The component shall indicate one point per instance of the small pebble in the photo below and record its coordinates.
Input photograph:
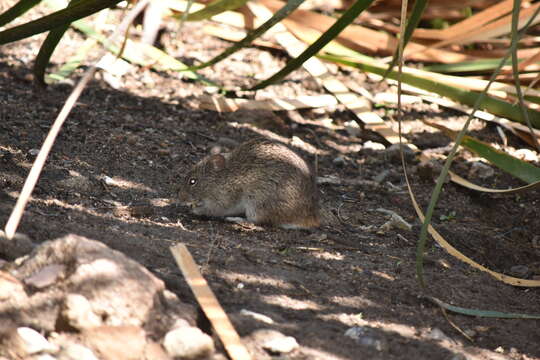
(367, 336)
(257, 316)
(480, 170)
(33, 342)
(437, 334)
(188, 343)
(274, 342)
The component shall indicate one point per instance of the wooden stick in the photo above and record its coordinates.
(35, 171)
(209, 304)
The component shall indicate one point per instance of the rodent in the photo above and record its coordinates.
(261, 179)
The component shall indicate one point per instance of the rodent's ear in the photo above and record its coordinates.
(217, 161)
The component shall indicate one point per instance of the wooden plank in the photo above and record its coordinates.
(209, 304)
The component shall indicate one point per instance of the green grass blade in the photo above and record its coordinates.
(73, 63)
(277, 17)
(347, 17)
(135, 53)
(45, 53)
(58, 18)
(488, 103)
(17, 10)
(214, 8)
(412, 23)
(514, 166)
(480, 65)
(482, 313)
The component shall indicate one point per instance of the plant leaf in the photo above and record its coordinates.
(277, 17)
(17, 10)
(45, 52)
(481, 313)
(214, 8)
(325, 38)
(58, 18)
(488, 103)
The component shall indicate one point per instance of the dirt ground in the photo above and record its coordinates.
(130, 146)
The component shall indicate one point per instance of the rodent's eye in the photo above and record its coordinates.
(192, 181)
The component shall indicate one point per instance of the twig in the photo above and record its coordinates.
(209, 304)
(33, 176)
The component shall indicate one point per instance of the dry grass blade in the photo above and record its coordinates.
(456, 253)
(33, 176)
(305, 24)
(209, 304)
(467, 25)
(223, 104)
(489, 30)
(319, 71)
(469, 185)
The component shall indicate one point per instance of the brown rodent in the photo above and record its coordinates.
(263, 180)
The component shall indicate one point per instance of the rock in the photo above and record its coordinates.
(393, 154)
(188, 343)
(367, 336)
(480, 170)
(76, 182)
(274, 342)
(119, 289)
(437, 334)
(45, 276)
(339, 160)
(430, 170)
(18, 246)
(72, 351)
(116, 342)
(78, 313)
(24, 341)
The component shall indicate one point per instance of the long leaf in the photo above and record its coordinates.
(49, 22)
(140, 54)
(325, 38)
(512, 165)
(45, 53)
(17, 10)
(277, 17)
(519, 168)
(73, 63)
(480, 65)
(412, 23)
(482, 313)
(488, 103)
(214, 8)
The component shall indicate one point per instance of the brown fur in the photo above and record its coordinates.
(261, 179)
